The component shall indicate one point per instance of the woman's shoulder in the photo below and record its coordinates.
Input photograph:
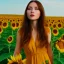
(19, 31)
(47, 29)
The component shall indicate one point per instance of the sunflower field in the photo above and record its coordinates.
(57, 38)
(8, 33)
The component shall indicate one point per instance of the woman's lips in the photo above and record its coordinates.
(32, 15)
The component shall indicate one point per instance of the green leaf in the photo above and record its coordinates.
(61, 60)
(47, 62)
(1, 48)
(42, 62)
(5, 56)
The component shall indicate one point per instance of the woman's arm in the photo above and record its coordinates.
(18, 47)
(50, 54)
(49, 49)
(49, 35)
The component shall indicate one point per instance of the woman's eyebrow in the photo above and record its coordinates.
(31, 7)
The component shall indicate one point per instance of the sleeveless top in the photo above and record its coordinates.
(35, 54)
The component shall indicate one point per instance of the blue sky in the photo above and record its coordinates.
(51, 7)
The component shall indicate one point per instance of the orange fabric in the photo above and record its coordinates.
(35, 54)
(47, 29)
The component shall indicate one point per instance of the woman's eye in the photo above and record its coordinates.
(33, 8)
(29, 8)
(36, 8)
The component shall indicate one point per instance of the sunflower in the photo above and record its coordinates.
(17, 24)
(55, 31)
(0, 23)
(62, 38)
(5, 24)
(62, 24)
(13, 25)
(49, 24)
(16, 60)
(54, 25)
(59, 25)
(46, 23)
(60, 45)
(9, 39)
(61, 50)
(20, 24)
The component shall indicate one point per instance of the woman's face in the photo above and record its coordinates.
(33, 13)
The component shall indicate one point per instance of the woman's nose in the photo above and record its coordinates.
(32, 11)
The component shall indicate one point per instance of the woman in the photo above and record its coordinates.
(33, 36)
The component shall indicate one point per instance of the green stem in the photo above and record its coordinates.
(12, 32)
(9, 48)
(0, 35)
(59, 55)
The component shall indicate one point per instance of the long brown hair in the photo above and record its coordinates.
(26, 26)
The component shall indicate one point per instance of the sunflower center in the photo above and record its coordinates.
(4, 24)
(59, 25)
(54, 25)
(55, 31)
(61, 45)
(0, 29)
(14, 63)
(13, 24)
(63, 37)
(17, 24)
(10, 38)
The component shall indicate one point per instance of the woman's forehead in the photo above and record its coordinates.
(33, 4)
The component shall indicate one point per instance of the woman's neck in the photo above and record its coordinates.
(34, 29)
(33, 24)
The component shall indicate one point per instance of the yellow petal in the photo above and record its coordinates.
(10, 61)
(13, 58)
(18, 57)
(61, 50)
(24, 61)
